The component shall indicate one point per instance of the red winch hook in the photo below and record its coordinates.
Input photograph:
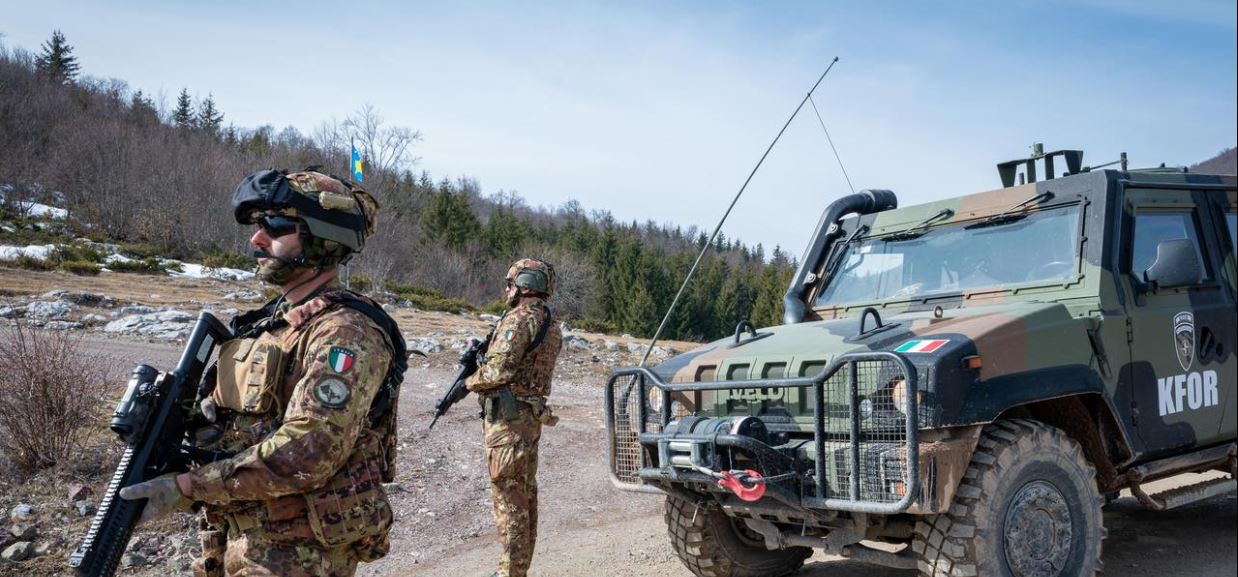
(735, 485)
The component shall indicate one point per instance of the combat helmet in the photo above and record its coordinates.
(338, 215)
(534, 275)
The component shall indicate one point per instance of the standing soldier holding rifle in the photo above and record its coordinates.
(301, 420)
(512, 384)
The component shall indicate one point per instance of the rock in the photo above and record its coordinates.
(383, 296)
(664, 352)
(611, 346)
(44, 547)
(244, 295)
(134, 560)
(12, 312)
(46, 310)
(54, 295)
(169, 324)
(626, 336)
(426, 345)
(488, 318)
(636, 348)
(93, 319)
(393, 488)
(79, 492)
(62, 325)
(138, 310)
(84, 508)
(576, 343)
(22, 511)
(390, 307)
(24, 531)
(19, 551)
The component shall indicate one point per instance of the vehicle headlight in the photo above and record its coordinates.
(898, 393)
(655, 397)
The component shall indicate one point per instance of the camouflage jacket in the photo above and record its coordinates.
(510, 362)
(333, 361)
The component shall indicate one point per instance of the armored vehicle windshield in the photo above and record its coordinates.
(1038, 247)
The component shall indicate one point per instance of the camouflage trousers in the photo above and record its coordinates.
(511, 455)
(254, 554)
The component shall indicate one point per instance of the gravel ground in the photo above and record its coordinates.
(444, 525)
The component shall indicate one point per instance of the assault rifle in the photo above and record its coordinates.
(468, 366)
(152, 419)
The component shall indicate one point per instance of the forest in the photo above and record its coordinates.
(136, 171)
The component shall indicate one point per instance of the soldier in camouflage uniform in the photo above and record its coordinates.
(512, 385)
(302, 432)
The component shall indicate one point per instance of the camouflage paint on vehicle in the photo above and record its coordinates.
(1097, 335)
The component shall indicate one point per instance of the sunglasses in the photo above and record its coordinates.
(277, 226)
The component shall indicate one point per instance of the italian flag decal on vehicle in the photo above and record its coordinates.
(921, 346)
(341, 359)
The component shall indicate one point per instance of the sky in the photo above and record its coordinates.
(659, 110)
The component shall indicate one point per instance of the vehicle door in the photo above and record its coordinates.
(1227, 212)
(1181, 332)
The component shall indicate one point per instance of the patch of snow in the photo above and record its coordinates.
(191, 270)
(36, 251)
(35, 208)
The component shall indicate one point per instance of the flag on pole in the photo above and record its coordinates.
(358, 174)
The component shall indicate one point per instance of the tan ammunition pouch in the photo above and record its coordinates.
(351, 510)
(352, 506)
(249, 377)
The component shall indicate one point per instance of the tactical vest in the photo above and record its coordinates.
(256, 375)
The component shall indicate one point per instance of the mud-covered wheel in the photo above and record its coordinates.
(711, 544)
(1028, 506)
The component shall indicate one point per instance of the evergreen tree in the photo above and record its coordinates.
(143, 108)
(504, 233)
(449, 218)
(209, 118)
(183, 116)
(57, 59)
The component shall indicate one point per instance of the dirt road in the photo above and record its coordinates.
(590, 529)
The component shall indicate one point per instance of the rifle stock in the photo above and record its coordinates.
(152, 418)
(458, 391)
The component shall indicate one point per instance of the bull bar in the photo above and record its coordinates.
(639, 381)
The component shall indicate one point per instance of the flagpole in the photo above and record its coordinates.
(348, 265)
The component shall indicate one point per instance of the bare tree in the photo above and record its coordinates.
(388, 150)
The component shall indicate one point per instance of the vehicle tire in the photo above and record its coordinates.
(1028, 506)
(711, 544)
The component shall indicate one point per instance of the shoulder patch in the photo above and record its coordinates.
(341, 359)
(332, 393)
(509, 334)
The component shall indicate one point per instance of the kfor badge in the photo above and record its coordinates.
(341, 359)
(332, 393)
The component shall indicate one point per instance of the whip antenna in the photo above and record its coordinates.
(717, 229)
(831, 141)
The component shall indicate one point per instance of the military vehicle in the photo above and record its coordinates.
(958, 387)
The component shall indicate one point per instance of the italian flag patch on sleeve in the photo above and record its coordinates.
(921, 346)
(341, 359)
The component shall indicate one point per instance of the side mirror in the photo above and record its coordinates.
(1177, 264)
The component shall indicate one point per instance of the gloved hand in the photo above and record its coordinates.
(162, 495)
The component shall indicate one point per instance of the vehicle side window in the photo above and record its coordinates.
(1151, 228)
(1232, 219)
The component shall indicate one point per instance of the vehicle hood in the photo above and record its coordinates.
(1010, 338)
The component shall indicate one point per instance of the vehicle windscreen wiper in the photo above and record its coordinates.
(1008, 215)
(920, 229)
(837, 251)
